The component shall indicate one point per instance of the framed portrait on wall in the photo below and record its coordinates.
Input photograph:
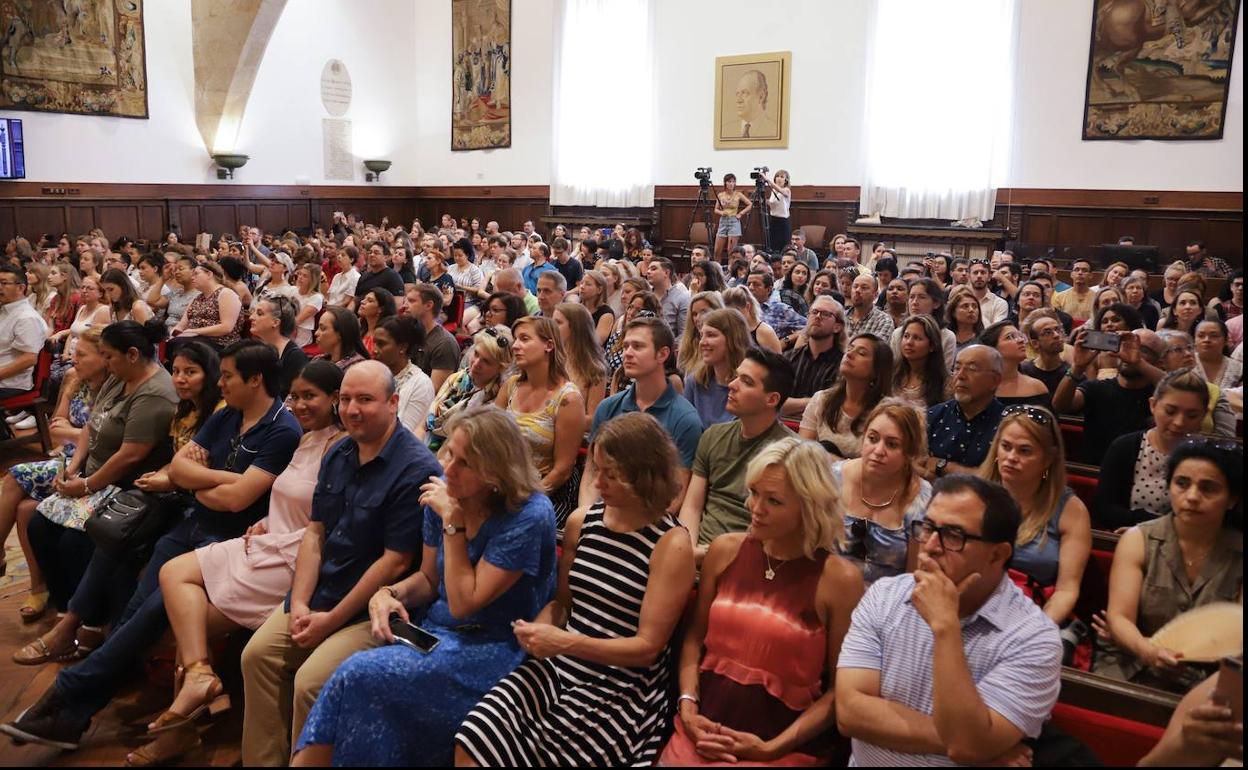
(752, 100)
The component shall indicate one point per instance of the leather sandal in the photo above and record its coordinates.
(216, 702)
(89, 638)
(37, 653)
(166, 747)
(35, 606)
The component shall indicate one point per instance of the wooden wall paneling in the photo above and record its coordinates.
(272, 217)
(33, 221)
(152, 222)
(1082, 228)
(245, 213)
(219, 218)
(118, 220)
(8, 223)
(1171, 229)
(301, 215)
(1225, 237)
(80, 219)
(187, 219)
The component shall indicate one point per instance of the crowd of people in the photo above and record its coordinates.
(494, 497)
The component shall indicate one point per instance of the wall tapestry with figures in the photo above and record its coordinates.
(481, 69)
(1159, 69)
(79, 56)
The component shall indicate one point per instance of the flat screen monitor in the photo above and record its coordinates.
(12, 150)
(1136, 257)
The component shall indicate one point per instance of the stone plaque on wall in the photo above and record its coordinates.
(336, 88)
(339, 160)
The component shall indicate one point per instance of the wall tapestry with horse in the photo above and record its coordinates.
(1159, 69)
(79, 56)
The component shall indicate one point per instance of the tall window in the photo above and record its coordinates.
(604, 53)
(940, 81)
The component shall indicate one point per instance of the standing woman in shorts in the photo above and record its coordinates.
(730, 205)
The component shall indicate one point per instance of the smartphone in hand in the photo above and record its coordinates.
(413, 635)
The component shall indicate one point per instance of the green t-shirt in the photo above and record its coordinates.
(143, 417)
(722, 458)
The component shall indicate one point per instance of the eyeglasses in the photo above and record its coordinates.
(1034, 413)
(952, 539)
(1052, 331)
(824, 314)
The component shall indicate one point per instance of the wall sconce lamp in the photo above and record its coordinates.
(227, 163)
(375, 167)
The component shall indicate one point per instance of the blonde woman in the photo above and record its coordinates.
(882, 491)
(548, 407)
(595, 288)
(310, 300)
(761, 334)
(587, 366)
(476, 384)
(1055, 538)
(700, 304)
(722, 347)
(773, 605)
(92, 312)
(615, 275)
(41, 293)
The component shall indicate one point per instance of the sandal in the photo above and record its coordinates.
(166, 747)
(89, 638)
(216, 702)
(37, 653)
(34, 608)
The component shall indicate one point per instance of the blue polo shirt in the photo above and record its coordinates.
(677, 416)
(268, 445)
(966, 442)
(532, 272)
(367, 509)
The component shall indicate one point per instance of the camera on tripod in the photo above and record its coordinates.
(703, 175)
(759, 174)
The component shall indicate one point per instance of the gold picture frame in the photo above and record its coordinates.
(758, 111)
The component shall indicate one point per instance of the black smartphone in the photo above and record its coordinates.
(1106, 341)
(412, 635)
(1230, 688)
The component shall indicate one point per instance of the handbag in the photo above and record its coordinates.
(74, 512)
(130, 521)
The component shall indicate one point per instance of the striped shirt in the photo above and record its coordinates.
(1012, 650)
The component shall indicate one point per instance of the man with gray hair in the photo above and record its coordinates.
(552, 288)
(960, 430)
(508, 281)
(365, 531)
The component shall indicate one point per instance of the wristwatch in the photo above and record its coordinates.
(940, 467)
(1076, 377)
(451, 529)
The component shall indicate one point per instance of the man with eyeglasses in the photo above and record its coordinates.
(815, 363)
(22, 333)
(960, 430)
(1048, 340)
(1115, 407)
(229, 466)
(953, 663)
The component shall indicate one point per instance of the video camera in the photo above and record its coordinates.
(759, 174)
(703, 175)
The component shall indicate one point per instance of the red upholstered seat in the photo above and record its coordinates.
(1084, 487)
(1117, 742)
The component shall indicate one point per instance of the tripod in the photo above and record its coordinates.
(702, 205)
(758, 201)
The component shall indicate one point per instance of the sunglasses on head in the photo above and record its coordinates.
(498, 336)
(1034, 413)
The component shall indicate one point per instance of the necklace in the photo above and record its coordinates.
(770, 572)
(878, 506)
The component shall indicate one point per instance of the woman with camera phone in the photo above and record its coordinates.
(488, 561)
(731, 206)
(779, 198)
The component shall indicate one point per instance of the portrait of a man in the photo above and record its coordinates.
(751, 101)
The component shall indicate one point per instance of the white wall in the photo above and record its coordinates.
(281, 129)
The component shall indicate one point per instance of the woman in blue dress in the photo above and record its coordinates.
(488, 561)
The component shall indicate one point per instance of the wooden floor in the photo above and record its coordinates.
(113, 733)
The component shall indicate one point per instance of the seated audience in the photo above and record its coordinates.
(1047, 343)
(960, 430)
(1077, 300)
(281, 269)
(758, 661)
(952, 663)
(862, 316)
(1015, 387)
(238, 583)
(1187, 312)
(594, 291)
(123, 301)
(836, 417)
(600, 649)
(1115, 318)
(761, 334)
(674, 298)
(1055, 536)
(488, 560)
(174, 289)
(338, 337)
(373, 307)
(647, 347)
(1220, 419)
(230, 466)
(817, 355)
(882, 492)
(381, 276)
(705, 275)
(963, 317)
(552, 288)
(439, 356)
(508, 281)
(548, 407)
(309, 301)
(1169, 565)
(1213, 359)
(1111, 408)
(363, 532)
(396, 338)
(1135, 295)
(22, 333)
(632, 307)
(273, 323)
(992, 307)
(722, 348)
(920, 377)
(342, 286)
(215, 315)
(794, 284)
(476, 384)
(587, 366)
(500, 309)
(1132, 487)
(690, 356)
(715, 501)
(927, 298)
(128, 437)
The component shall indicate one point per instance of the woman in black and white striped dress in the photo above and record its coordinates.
(596, 689)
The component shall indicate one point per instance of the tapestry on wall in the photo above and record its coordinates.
(481, 65)
(79, 56)
(1159, 69)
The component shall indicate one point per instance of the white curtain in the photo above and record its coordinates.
(939, 107)
(603, 156)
